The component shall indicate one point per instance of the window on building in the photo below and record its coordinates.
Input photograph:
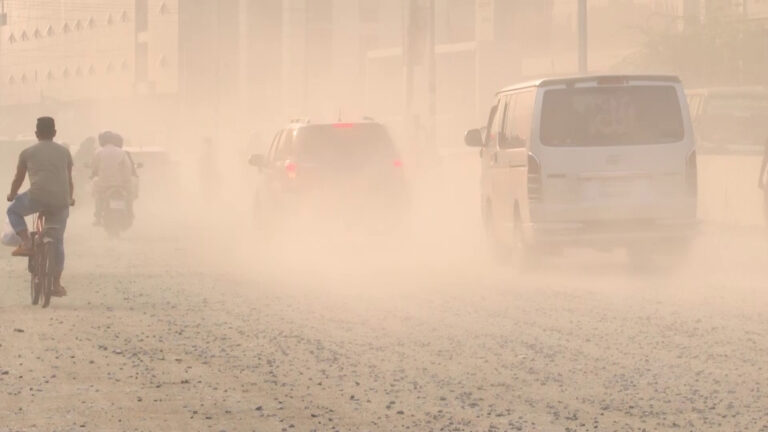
(37, 34)
(79, 71)
(124, 17)
(66, 28)
(50, 76)
(66, 73)
(50, 32)
(91, 23)
(164, 9)
(11, 80)
(92, 70)
(110, 67)
(110, 20)
(78, 25)
(24, 78)
(24, 36)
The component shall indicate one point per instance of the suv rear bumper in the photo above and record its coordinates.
(611, 234)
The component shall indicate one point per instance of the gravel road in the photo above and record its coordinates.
(167, 331)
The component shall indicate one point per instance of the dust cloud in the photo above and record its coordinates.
(205, 316)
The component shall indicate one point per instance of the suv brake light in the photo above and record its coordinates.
(290, 169)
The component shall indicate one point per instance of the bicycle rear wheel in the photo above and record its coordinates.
(46, 273)
(35, 288)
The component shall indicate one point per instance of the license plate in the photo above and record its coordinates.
(117, 205)
(621, 190)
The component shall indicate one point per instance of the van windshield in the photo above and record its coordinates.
(611, 116)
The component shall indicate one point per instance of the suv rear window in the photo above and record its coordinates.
(354, 142)
(611, 116)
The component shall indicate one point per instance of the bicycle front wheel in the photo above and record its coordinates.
(47, 272)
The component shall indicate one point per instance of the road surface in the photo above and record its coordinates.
(180, 327)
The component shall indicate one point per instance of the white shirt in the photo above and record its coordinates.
(111, 168)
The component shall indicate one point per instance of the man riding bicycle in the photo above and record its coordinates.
(51, 192)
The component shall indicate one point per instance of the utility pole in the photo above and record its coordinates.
(432, 77)
(408, 67)
(583, 38)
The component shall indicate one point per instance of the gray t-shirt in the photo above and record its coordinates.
(48, 165)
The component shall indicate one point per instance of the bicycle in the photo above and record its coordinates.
(42, 262)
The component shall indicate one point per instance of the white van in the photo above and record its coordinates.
(598, 161)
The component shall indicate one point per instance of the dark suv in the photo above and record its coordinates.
(338, 173)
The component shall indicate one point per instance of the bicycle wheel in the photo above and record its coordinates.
(32, 266)
(46, 275)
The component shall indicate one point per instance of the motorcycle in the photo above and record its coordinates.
(117, 211)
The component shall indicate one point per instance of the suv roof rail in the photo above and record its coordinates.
(302, 120)
(368, 118)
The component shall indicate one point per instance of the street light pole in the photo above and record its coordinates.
(583, 38)
(432, 72)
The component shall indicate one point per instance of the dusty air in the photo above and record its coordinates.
(384, 215)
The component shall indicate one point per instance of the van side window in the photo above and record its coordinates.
(523, 117)
(489, 125)
(509, 138)
(495, 129)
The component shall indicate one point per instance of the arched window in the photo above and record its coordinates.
(50, 32)
(24, 36)
(110, 20)
(38, 34)
(66, 28)
(91, 23)
(79, 25)
(124, 17)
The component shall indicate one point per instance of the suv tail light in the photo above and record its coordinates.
(692, 174)
(534, 179)
(290, 169)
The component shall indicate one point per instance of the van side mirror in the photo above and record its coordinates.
(256, 160)
(474, 138)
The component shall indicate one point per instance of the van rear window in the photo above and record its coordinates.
(611, 116)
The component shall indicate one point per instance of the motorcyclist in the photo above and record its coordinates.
(112, 168)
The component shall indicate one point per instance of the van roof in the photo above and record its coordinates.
(729, 91)
(544, 82)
